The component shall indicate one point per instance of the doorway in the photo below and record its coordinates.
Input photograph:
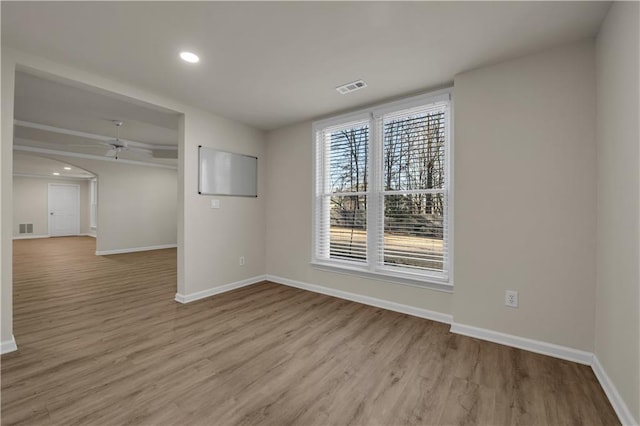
(64, 209)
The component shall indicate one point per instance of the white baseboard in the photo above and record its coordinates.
(8, 346)
(556, 351)
(544, 348)
(366, 300)
(620, 407)
(537, 346)
(134, 249)
(187, 298)
(29, 237)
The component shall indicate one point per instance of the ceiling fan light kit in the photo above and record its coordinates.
(116, 145)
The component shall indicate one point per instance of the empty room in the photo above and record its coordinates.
(327, 213)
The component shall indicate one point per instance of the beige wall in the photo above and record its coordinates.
(6, 169)
(216, 238)
(525, 205)
(524, 202)
(289, 219)
(617, 336)
(525, 211)
(30, 203)
(137, 205)
(209, 241)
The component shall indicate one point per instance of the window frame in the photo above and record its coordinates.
(370, 269)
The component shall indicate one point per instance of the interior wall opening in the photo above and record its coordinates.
(95, 190)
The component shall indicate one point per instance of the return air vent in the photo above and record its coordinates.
(351, 87)
(26, 228)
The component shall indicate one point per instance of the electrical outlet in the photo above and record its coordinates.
(511, 298)
(241, 261)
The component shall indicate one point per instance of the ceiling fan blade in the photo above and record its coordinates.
(135, 148)
(85, 145)
(165, 153)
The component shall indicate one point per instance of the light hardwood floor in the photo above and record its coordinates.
(101, 342)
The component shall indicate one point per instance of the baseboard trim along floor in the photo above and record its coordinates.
(619, 406)
(537, 346)
(8, 346)
(366, 300)
(29, 237)
(134, 249)
(192, 297)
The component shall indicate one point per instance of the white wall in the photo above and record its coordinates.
(137, 205)
(289, 220)
(7, 78)
(617, 331)
(31, 199)
(209, 241)
(218, 237)
(524, 202)
(525, 209)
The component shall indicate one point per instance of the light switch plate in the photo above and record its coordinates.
(215, 204)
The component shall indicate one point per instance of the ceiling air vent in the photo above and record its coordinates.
(351, 87)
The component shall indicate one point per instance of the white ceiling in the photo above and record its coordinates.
(26, 164)
(269, 64)
(55, 103)
(65, 106)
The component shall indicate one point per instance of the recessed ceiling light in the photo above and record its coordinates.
(189, 57)
(67, 168)
(56, 174)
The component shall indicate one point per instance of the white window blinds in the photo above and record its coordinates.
(414, 233)
(342, 192)
(381, 202)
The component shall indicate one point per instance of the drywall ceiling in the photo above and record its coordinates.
(55, 115)
(269, 64)
(31, 165)
(55, 103)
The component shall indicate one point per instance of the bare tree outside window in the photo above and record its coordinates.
(382, 190)
(348, 164)
(414, 179)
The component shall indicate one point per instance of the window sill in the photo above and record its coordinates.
(390, 277)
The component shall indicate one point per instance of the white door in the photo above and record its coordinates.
(64, 209)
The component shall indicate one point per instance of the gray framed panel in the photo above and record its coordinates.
(226, 173)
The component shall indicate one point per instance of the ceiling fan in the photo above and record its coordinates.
(116, 145)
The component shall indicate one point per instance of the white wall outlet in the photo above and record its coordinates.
(215, 204)
(241, 261)
(511, 298)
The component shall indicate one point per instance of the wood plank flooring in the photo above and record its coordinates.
(101, 342)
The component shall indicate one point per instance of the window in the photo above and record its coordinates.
(382, 191)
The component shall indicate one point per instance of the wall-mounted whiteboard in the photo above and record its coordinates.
(226, 173)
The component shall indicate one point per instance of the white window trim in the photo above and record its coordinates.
(389, 274)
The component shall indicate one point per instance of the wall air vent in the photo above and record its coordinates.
(26, 228)
(351, 87)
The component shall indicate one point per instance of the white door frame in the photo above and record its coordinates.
(77, 227)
